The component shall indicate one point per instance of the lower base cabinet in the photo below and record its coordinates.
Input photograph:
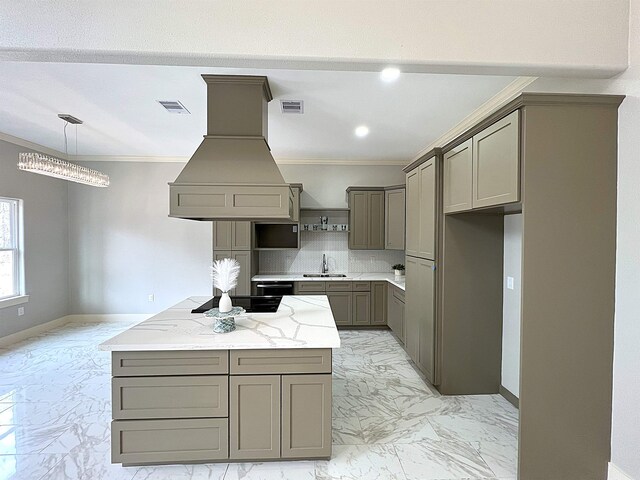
(341, 307)
(395, 312)
(279, 406)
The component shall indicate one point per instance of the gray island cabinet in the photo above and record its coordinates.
(184, 394)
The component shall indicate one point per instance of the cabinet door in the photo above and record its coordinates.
(241, 236)
(413, 212)
(219, 255)
(426, 319)
(394, 219)
(427, 235)
(376, 220)
(244, 280)
(458, 173)
(401, 321)
(222, 235)
(378, 303)
(361, 308)
(306, 416)
(358, 220)
(412, 307)
(296, 204)
(341, 307)
(395, 313)
(496, 163)
(254, 416)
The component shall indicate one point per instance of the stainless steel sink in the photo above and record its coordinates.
(324, 275)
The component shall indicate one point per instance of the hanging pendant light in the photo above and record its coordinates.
(55, 167)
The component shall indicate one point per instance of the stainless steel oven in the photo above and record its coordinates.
(274, 288)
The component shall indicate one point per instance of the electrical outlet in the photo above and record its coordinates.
(372, 259)
(20, 311)
(152, 297)
(510, 283)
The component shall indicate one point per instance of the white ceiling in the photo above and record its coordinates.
(122, 118)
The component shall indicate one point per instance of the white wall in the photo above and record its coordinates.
(583, 37)
(626, 368)
(326, 185)
(124, 246)
(511, 315)
(45, 241)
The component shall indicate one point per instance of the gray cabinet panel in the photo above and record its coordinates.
(413, 213)
(169, 441)
(358, 220)
(395, 315)
(361, 308)
(426, 319)
(427, 220)
(458, 178)
(361, 286)
(496, 163)
(376, 220)
(394, 228)
(169, 397)
(241, 236)
(301, 360)
(378, 303)
(304, 288)
(338, 286)
(254, 416)
(196, 362)
(244, 280)
(412, 307)
(341, 307)
(222, 235)
(306, 416)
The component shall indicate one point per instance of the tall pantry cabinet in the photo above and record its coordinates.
(422, 215)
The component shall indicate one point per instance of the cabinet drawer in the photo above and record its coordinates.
(361, 286)
(169, 441)
(307, 360)
(398, 293)
(196, 362)
(310, 287)
(170, 397)
(338, 286)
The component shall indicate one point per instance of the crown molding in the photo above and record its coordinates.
(501, 98)
(282, 161)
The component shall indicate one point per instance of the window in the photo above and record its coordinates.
(11, 265)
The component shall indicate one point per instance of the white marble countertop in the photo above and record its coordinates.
(350, 277)
(300, 322)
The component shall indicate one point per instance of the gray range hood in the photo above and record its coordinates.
(232, 175)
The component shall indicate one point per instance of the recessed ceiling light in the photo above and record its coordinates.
(390, 74)
(362, 131)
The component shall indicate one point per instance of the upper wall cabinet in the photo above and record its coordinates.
(484, 171)
(421, 210)
(296, 188)
(394, 224)
(366, 219)
(231, 235)
(496, 165)
(458, 174)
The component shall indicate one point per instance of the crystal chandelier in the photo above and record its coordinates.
(55, 167)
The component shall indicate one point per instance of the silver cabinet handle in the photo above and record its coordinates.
(288, 285)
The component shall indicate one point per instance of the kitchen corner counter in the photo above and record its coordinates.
(300, 322)
(351, 277)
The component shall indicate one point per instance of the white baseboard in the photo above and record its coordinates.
(109, 318)
(616, 474)
(33, 331)
(58, 322)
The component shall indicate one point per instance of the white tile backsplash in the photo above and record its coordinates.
(336, 246)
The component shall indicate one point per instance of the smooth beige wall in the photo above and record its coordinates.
(125, 247)
(325, 185)
(46, 242)
(626, 386)
(586, 37)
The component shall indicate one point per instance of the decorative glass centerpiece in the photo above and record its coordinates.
(225, 274)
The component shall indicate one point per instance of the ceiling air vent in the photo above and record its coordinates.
(173, 106)
(292, 106)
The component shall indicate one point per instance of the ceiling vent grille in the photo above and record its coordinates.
(173, 106)
(292, 106)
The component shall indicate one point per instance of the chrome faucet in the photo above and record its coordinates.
(325, 265)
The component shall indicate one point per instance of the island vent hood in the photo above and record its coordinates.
(232, 175)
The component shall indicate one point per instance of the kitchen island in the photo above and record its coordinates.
(185, 394)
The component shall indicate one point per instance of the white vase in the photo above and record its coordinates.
(225, 303)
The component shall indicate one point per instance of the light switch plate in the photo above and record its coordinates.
(20, 311)
(510, 283)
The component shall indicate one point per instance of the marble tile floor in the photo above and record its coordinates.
(55, 411)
